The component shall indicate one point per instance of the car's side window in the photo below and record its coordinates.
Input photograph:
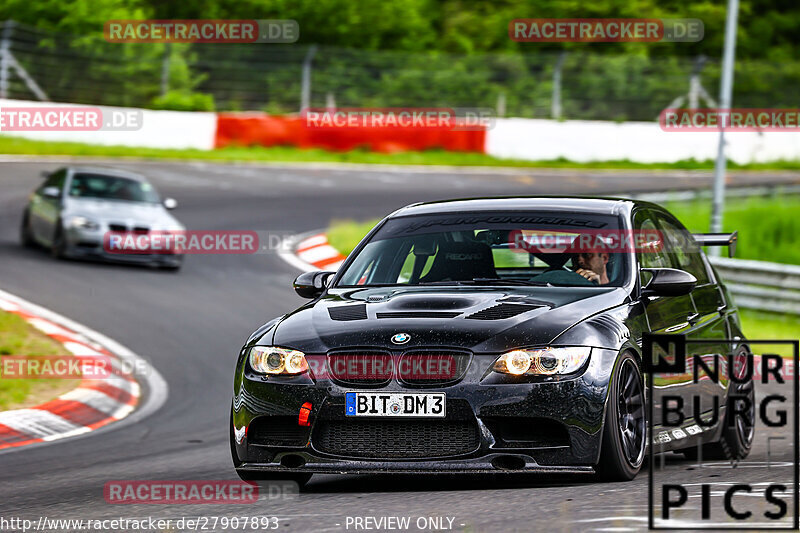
(56, 179)
(651, 254)
(685, 253)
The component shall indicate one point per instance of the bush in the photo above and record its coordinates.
(183, 101)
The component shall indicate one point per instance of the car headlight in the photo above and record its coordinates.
(82, 223)
(274, 360)
(543, 361)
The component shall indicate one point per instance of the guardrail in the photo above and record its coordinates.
(761, 285)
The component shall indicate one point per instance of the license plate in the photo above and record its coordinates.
(430, 404)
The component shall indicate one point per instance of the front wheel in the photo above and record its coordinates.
(58, 249)
(624, 432)
(736, 439)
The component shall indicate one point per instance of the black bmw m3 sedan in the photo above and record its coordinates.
(487, 335)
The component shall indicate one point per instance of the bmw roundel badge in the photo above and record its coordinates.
(401, 338)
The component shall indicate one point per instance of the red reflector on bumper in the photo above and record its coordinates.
(305, 413)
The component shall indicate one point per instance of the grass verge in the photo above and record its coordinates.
(19, 146)
(768, 226)
(344, 235)
(770, 326)
(17, 337)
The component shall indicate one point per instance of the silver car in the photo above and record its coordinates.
(76, 207)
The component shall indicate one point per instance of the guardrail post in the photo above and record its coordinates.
(555, 109)
(5, 56)
(305, 89)
(501, 105)
(165, 69)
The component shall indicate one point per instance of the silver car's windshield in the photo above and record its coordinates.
(111, 188)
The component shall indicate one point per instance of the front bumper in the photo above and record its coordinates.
(535, 426)
(87, 244)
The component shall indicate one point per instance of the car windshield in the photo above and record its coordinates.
(111, 188)
(528, 248)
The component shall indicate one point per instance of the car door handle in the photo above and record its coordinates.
(693, 318)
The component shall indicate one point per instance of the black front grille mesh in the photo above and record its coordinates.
(396, 438)
(277, 431)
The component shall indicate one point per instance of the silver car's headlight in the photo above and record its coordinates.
(82, 223)
(543, 361)
(274, 360)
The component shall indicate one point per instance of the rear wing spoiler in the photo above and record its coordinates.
(718, 239)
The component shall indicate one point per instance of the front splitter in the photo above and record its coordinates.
(481, 465)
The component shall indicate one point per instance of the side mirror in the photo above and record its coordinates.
(311, 284)
(51, 192)
(668, 282)
(170, 203)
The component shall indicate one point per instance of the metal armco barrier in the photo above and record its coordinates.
(761, 285)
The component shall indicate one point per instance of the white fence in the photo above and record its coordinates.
(642, 142)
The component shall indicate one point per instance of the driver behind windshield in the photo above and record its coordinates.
(592, 266)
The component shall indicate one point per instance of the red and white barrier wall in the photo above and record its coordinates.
(259, 129)
(515, 138)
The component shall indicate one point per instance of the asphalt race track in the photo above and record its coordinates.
(190, 326)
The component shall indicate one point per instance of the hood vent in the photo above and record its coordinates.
(348, 312)
(502, 311)
(418, 314)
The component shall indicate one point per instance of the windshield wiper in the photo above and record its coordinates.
(489, 281)
(500, 281)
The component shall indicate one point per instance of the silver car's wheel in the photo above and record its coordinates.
(59, 246)
(25, 233)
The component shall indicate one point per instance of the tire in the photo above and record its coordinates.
(254, 475)
(735, 441)
(58, 248)
(25, 233)
(625, 429)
